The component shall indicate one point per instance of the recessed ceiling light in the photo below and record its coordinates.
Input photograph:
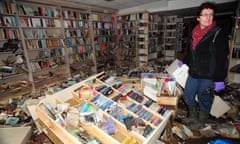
(109, 0)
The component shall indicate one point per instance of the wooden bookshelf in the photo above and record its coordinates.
(42, 35)
(12, 76)
(234, 56)
(139, 39)
(127, 31)
(104, 40)
(78, 40)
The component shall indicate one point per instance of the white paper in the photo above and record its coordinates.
(219, 107)
(150, 92)
(151, 82)
(179, 73)
(171, 86)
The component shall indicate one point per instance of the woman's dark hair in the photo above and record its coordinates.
(206, 5)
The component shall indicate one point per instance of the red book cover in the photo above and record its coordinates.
(81, 49)
(7, 34)
(103, 46)
(113, 19)
(41, 11)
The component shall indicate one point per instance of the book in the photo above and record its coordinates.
(7, 20)
(179, 73)
(43, 22)
(41, 11)
(57, 23)
(15, 22)
(36, 22)
(65, 14)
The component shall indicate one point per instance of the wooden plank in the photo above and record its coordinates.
(99, 134)
(59, 131)
(50, 134)
(167, 100)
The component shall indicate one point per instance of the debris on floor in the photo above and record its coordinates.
(226, 126)
(14, 113)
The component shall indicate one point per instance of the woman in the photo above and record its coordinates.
(207, 61)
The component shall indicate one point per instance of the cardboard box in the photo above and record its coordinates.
(219, 107)
(158, 89)
(155, 85)
(15, 135)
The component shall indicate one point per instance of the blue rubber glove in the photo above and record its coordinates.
(180, 63)
(218, 86)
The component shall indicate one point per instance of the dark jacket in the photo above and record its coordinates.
(209, 60)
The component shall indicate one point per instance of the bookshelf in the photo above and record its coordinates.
(54, 42)
(234, 56)
(127, 32)
(43, 41)
(143, 49)
(134, 32)
(104, 40)
(139, 39)
(170, 35)
(78, 40)
(154, 36)
(180, 36)
(12, 77)
(157, 32)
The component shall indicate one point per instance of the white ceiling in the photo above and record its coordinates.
(167, 7)
(115, 4)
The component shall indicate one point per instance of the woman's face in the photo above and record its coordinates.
(206, 18)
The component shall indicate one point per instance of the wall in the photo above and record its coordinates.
(169, 5)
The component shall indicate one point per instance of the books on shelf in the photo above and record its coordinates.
(40, 22)
(8, 21)
(42, 33)
(29, 10)
(36, 22)
(7, 7)
(73, 14)
(75, 24)
(8, 34)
